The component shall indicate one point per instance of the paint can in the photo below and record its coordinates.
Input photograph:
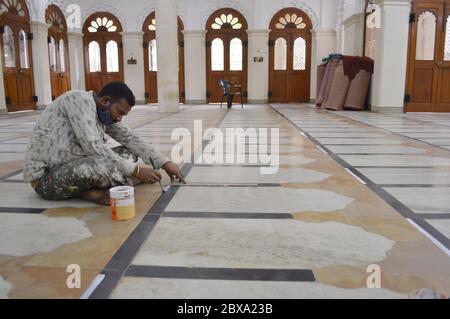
(122, 202)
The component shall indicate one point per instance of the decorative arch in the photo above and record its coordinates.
(17, 55)
(226, 52)
(102, 22)
(226, 19)
(217, 5)
(290, 47)
(103, 50)
(101, 7)
(291, 20)
(14, 8)
(55, 18)
(149, 27)
(280, 5)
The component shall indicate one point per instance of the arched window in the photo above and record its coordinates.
(8, 47)
(217, 55)
(236, 54)
(152, 55)
(62, 56)
(94, 57)
(52, 53)
(447, 40)
(280, 61)
(112, 56)
(426, 36)
(23, 50)
(299, 54)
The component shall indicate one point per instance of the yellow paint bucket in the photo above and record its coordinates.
(122, 202)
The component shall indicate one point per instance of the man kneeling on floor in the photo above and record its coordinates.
(67, 156)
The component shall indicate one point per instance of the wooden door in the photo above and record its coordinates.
(290, 57)
(226, 52)
(428, 76)
(17, 57)
(103, 50)
(150, 60)
(58, 51)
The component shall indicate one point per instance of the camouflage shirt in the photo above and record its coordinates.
(69, 129)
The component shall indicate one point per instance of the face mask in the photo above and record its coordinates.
(105, 116)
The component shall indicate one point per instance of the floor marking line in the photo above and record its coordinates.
(299, 275)
(225, 215)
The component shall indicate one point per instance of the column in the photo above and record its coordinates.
(258, 71)
(354, 34)
(134, 73)
(76, 61)
(195, 66)
(41, 64)
(389, 77)
(323, 44)
(3, 109)
(167, 55)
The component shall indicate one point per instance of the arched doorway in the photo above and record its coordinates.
(103, 50)
(17, 58)
(290, 56)
(150, 60)
(58, 51)
(428, 77)
(226, 52)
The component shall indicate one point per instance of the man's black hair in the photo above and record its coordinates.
(118, 90)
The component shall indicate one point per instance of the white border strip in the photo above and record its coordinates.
(92, 287)
(355, 176)
(434, 240)
(320, 148)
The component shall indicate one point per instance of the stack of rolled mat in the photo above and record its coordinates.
(343, 82)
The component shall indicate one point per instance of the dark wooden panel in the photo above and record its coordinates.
(423, 86)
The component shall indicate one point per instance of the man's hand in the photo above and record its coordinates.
(148, 175)
(173, 170)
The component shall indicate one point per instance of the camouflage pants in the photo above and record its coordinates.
(69, 180)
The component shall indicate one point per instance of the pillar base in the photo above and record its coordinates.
(3, 111)
(42, 107)
(387, 109)
(193, 102)
(256, 101)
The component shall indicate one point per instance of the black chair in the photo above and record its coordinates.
(227, 92)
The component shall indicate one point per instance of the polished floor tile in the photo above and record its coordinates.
(395, 160)
(226, 175)
(191, 242)
(256, 199)
(157, 288)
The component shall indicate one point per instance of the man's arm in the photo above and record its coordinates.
(125, 136)
(83, 119)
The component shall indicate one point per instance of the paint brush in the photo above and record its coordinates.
(154, 167)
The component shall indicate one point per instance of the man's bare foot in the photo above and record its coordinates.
(98, 196)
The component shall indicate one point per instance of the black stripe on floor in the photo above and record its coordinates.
(304, 275)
